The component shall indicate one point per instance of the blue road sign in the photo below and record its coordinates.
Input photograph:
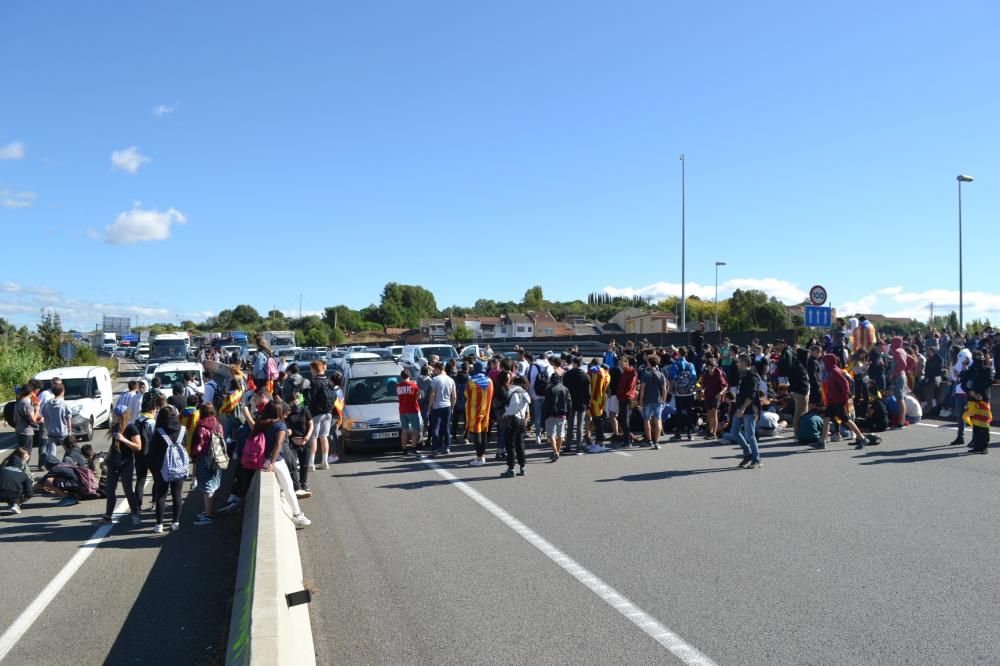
(818, 317)
(130, 337)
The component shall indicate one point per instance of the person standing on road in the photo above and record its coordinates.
(555, 408)
(168, 426)
(512, 422)
(963, 362)
(897, 376)
(652, 396)
(322, 398)
(26, 417)
(205, 469)
(977, 383)
(538, 374)
(120, 464)
(58, 423)
(838, 394)
(714, 383)
(135, 402)
(577, 382)
(294, 381)
(747, 407)
(300, 427)
(145, 426)
(458, 411)
(409, 414)
(501, 392)
(424, 384)
(600, 378)
(683, 379)
(798, 385)
(814, 370)
(440, 403)
(628, 391)
(478, 400)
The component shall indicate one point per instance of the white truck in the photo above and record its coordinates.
(106, 342)
(170, 347)
(280, 342)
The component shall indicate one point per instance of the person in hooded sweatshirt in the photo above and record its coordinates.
(838, 394)
(977, 382)
(205, 470)
(962, 365)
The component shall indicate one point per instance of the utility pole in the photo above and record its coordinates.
(683, 250)
(300, 305)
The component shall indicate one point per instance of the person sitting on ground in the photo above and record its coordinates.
(61, 480)
(15, 480)
(770, 424)
(810, 426)
(877, 419)
(914, 412)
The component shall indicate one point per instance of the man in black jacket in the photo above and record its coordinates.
(798, 385)
(977, 382)
(577, 382)
(555, 408)
(814, 369)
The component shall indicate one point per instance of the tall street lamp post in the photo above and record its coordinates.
(683, 276)
(717, 264)
(961, 319)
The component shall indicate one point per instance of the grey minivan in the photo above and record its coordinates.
(371, 406)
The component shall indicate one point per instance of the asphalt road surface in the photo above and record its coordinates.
(890, 555)
(137, 598)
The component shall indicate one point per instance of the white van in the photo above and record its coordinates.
(88, 395)
(171, 372)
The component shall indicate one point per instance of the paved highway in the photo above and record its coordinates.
(887, 555)
(133, 597)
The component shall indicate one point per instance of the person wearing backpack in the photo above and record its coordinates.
(121, 466)
(300, 427)
(272, 426)
(58, 422)
(512, 422)
(538, 374)
(683, 379)
(145, 425)
(167, 446)
(322, 401)
(265, 366)
(208, 439)
(555, 409)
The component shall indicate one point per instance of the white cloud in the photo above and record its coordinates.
(138, 225)
(128, 160)
(11, 199)
(863, 305)
(164, 109)
(891, 291)
(12, 151)
(10, 287)
(785, 292)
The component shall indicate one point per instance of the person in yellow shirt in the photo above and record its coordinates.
(600, 379)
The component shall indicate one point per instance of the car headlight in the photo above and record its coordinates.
(355, 425)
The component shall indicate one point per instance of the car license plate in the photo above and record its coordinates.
(385, 435)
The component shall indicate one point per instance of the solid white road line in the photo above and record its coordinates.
(23, 623)
(622, 453)
(660, 633)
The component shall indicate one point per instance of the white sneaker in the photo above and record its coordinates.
(15, 507)
(332, 459)
(835, 438)
(174, 527)
(301, 521)
(303, 494)
(312, 467)
(477, 462)
(158, 529)
(325, 465)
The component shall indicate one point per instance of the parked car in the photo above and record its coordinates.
(88, 395)
(174, 371)
(414, 357)
(371, 406)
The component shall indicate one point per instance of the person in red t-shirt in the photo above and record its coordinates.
(838, 394)
(409, 413)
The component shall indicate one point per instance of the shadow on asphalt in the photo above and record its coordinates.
(913, 459)
(669, 474)
(181, 615)
(430, 483)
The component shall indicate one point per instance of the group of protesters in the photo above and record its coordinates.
(842, 387)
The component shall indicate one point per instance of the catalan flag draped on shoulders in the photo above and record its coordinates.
(864, 336)
(599, 382)
(231, 402)
(189, 419)
(478, 398)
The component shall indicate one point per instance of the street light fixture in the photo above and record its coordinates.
(962, 178)
(683, 285)
(717, 264)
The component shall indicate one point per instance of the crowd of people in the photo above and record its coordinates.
(843, 387)
(269, 418)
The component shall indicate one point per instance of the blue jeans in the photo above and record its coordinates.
(440, 423)
(747, 436)
(960, 401)
(536, 408)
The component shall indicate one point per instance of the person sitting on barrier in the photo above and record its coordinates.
(15, 480)
(272, 424)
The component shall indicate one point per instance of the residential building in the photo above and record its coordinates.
(494, 327)
(434, 330)
(643, 323)
(521, 325)
(545, 324)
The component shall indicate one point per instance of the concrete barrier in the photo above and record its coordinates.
(263, 628)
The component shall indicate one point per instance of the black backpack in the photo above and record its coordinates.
(322, 396)
(8, 413)
(541, 383)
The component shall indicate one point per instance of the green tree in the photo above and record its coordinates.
(463, 333)
(534, 298)
(952, 320)
(484, 307)
(245, 316)
(403, 305)
(50, 336)
(316, 335)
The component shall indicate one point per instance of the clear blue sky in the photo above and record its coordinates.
(360, 143)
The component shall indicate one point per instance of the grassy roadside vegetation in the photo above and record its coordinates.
(22, 360)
